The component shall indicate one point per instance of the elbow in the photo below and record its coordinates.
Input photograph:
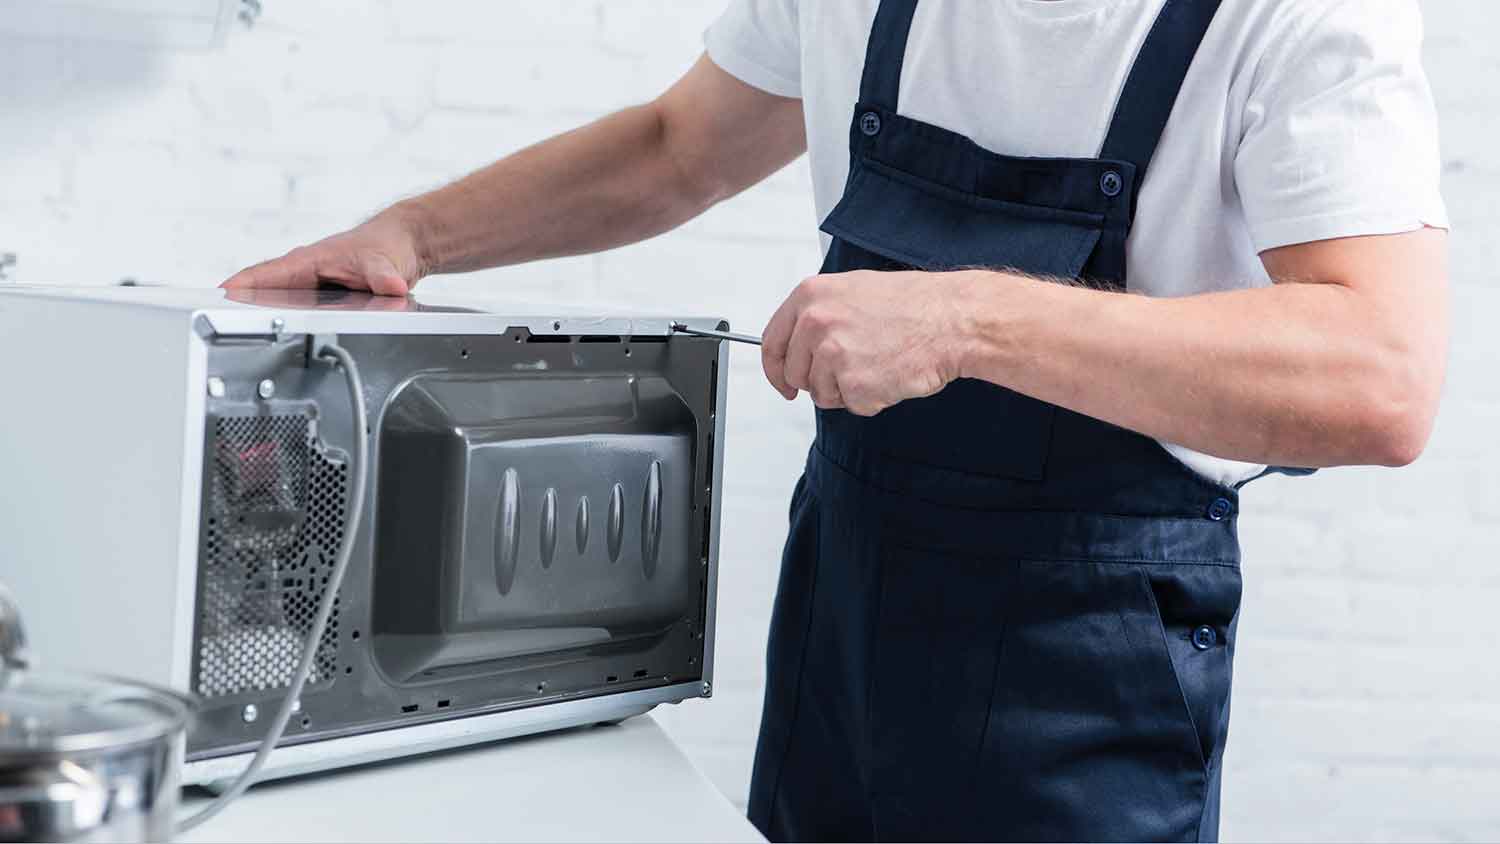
(1396, 419)
(1401, 443)
(696, 185)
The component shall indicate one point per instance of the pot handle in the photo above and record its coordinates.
(14, 654)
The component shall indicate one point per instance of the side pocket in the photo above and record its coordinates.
(1087, 726)
(1196, 609)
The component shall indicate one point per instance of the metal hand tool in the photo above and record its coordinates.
(681, 328)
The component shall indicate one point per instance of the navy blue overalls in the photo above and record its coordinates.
(998, 619)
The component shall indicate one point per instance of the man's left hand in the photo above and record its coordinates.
(866, 340)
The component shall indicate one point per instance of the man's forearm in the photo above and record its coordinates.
(1295, 374)
(606, 184)
(629, 176)
(634, 174)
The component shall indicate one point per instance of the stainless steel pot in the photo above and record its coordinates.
(84, 758)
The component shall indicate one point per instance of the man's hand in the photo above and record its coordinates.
(380, 256)
(867, 340)
(632, 175)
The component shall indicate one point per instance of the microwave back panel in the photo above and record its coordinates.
(539, 549)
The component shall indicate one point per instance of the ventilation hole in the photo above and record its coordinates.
(355, 635)
(443, 704)
(549, 338)
(651, 338)
(641, 673)
(611, 679)
(306, 722)
(410, 708)
(464, 353)
(599, 338)
(270, 497)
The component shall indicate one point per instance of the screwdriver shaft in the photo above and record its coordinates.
(681, 328)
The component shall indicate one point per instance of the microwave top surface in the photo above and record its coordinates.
(234, 312)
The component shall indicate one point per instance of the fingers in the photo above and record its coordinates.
(823, 383)
(340, 260)
(773, 348)
(381, 276)
(249, 277)
(797, 368)
(295, 269)
(860, 397)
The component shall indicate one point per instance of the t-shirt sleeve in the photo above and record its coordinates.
(1340, 135)
(758, 42)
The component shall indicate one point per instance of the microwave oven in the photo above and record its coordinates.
(538, 548)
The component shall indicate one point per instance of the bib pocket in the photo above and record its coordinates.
(892, 220)
(927, 226)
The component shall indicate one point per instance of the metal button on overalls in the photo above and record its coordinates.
(1205, 637)
(1220, 509)
(991, 615)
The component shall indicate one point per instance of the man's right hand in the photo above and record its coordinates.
(380, 256)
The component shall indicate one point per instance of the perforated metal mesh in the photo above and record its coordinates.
(274, 519)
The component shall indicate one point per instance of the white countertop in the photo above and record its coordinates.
(624, 783)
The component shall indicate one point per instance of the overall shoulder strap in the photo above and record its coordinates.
(881, 84)
(1151, 89)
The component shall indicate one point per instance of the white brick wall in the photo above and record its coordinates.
(1367, 702)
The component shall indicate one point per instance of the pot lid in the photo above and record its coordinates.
(43, 713)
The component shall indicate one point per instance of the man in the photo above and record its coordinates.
(1008, 601)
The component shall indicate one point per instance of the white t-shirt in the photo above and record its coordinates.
(1300, 120)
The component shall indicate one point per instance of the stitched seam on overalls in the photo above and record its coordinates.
(1038, 213)
(839, 465)
(810, 497)
(870, 649)
(1066, 559)
(1217, 761)
(984, 734)
(914, 461)
(1187, 706)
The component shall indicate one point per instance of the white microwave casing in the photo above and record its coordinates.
(101, 467)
